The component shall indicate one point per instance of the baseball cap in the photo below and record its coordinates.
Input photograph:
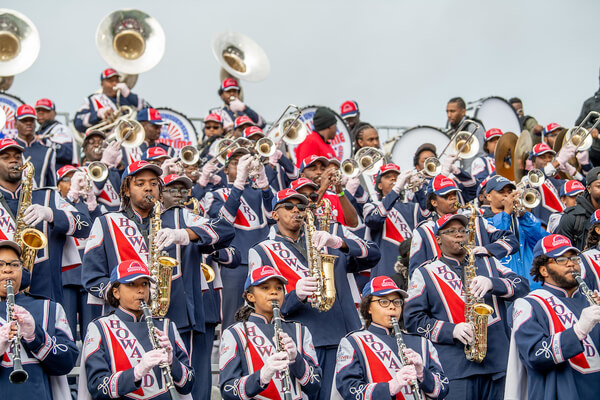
(492, 133)
(229, 84)
(443, 221)
(45, 104)
(349, 109)
(441, 185)
(571, 188)
(385, 168)
(169, 179)
(129, 271)
(286, 194)
(214, 118)
(253, 130)
(310, 160)
(541, 148)
(94, 132)
(11, 244)
(592, 175)
(64, 171)
(108, 73)
(262, 274)
(595, 217)
(25, 111)
(139, 166)
(497, 183)
(301, 182)
(553, 246)
(151, 115)
(6, 144)
(551, 127)
(382, 285)
(155, 153)
(244, 119)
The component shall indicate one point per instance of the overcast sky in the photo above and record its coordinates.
(401, 60)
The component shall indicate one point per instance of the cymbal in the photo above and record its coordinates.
(522, 150)
(503, 156)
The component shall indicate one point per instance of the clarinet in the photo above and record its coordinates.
(414, 385)
(164, 367)
(18, 374)
(585, 290)
(286, 381)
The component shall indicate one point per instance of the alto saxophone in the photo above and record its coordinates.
(476, 311)
(320, 264)
(160, 265)
(30, 240)
(414, 385)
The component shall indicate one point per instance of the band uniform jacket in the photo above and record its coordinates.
(228, 117)
(483, 166)
(289, 258)
(42, 158)
(368, 359)
(435, 305)
(52, 353)
(245, 347)
(114, 345)
(108, 191)
(87, 114)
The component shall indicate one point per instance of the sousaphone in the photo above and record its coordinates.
(19, 45)
(240, 57)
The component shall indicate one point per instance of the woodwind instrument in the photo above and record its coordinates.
(164, 368)
(585, 289)
(414, 385)
(18, 374)
(286, 380)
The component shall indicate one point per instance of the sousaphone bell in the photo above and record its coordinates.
(19, 45)
(240, 57)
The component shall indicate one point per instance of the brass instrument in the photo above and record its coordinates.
(19, 45)
(164, 367)
(584, 288)
(286, 381)
(464, 144)
(530, 197)
(320, 264)
(97, 171)
(288, 128)
(367, 160)
(124, 129)
(161, 265)
(189, 155)
(18, 374)
(580, 137)
(414, 385)
(476, 311)
(30, 240)
(240, 57)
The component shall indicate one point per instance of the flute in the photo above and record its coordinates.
(414, 385)
(585, 290)
(18, 374)
(286, 381)
(164, 367)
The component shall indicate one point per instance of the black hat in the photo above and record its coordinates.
(592, 175)
(323, 118)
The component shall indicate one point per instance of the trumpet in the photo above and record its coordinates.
(530, 197)
(127, 133)
(97, 171)
(367, 160)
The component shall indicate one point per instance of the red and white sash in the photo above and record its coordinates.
(396, 229)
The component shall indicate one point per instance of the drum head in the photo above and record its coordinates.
(9, 104)
(179, 131)
(407, 144)
(342, 144)
(495, 112)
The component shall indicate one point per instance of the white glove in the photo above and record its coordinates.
(481, 250)
(565, 154)
(103, 112)
(26, 323)
(36, 213)
(568, 168)
(481, 285)
(215, 180)
(306, 287)
(278, 362)
(401, 181)
(549, 169)
(123, 88)
(289, 346)
(4, 336)
(167, 236)
(91, 201)
(583, 157)
(415, 359)
(274, 158)
(237, 105)
(112, 155)
(149, 360)
(325, 239)
(207, 170)
(463, 332)
(78, 185)
(589, 317)
(165, 343)
(448, 166)
(403, 378)
(169, 167)
(261, 180)
(352, 185)
(243, 170)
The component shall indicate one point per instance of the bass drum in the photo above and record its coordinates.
(342, 144)
(406, 145)
(179, 131)
(495, 112)
(9, 105)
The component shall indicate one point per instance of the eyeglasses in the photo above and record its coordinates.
(290, 206)
(565, 260)
(174, 192)
(454, 232)
(386, 302)
(12, 264)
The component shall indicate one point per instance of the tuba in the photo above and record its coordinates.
(240, 57)
(19, 45)
(161, 266)
(29, 239)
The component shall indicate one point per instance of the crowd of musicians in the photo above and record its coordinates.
(448, 280)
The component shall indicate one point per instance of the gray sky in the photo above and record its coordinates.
(401, 60)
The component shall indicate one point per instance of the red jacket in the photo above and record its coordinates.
(313, 144)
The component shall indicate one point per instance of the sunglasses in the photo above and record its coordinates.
(290, 206)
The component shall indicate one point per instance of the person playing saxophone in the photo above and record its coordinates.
(436, 305)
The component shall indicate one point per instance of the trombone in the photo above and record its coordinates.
(580, 136)
(288, 127)
(128, 133)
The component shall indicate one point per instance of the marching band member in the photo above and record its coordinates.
(55, 134)
(456, 112)
(390, 220)
(98, 107)
(484, 166)
(369, 365)
(569, 192)
(248, 209)
(591, 256)
(155, 155)
(527, 121)
(550, 133)
(350, 113)
(119, 360)
(213, 130)
(318, 142)
(152, 122)
(435, 309)
(365, 135)
(442, 199)
(286, 250)
(233, 107)
(555, 327)
(42, 156)
(49, 213)
(47, 349)
(241, 124)
(249, 362)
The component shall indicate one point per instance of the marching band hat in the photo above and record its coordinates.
(233, 152)
(497, 183)
(425, 146)
(244, 119)
(12, 245)
(553, 246)
(301, 182)
(169, 179)
(592, 175)
(262, 274)
(595, 217)
(443, 221)
(94, 132)
(155, 153)
(151, 115)
(349, 109)
(571, 188)
(385, 168)
(229, 84)
(323, 119)
(310, 160)
(129, 271)
(551, 127)
(541, 148)
(442, 185)
(63, 171)
(108, 73)
(335, 162)
(286, 194)
(382, 285)
(139, 166)
(25, 111)
(214, 118)
(253, 130)
(482, 185)
(45, 104)
(6, 144)
(493, 133)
